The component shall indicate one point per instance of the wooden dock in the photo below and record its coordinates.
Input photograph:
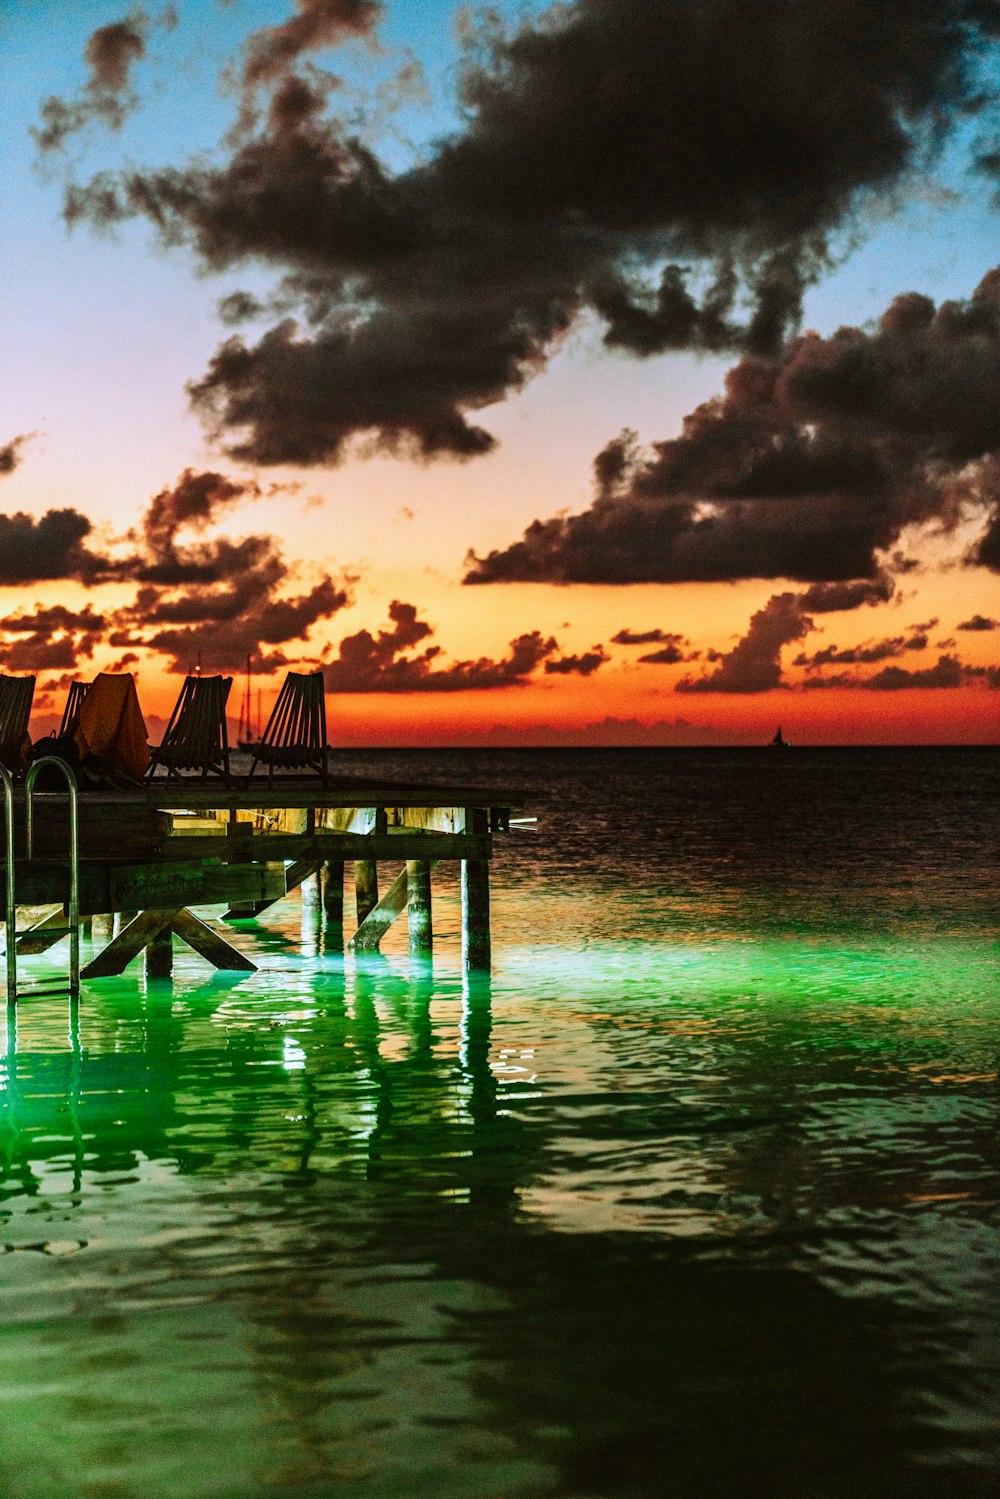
(147, 854)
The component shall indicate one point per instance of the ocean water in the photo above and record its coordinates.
(696, 1195)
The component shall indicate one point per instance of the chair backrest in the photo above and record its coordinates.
(16, 695)
(74, 702)
(295, 736)
(196, 736)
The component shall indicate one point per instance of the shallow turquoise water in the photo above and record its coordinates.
(696, 1195)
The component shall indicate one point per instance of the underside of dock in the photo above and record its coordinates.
(147, 854)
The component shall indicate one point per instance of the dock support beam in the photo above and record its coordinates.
(158, 955)
(418, 907)
(476, 913)
(476, 898)
(365, 887)
(147, 926)
(333, 891)
(210, 944)
(129, 941)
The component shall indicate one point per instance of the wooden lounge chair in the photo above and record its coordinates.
(62, 741)
(71, 712)
(295, 737)
(196, 736)
(16, 694)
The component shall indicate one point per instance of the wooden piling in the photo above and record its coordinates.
(158, 955)
(104, 927)
(418, 907)
(333, 891)
(476, 898)
(365, 887)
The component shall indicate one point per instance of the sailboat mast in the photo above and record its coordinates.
(244, 732)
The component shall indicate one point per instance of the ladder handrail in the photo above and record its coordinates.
(10, 905)
(73, 915)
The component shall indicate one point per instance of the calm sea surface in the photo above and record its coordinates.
(697, 1196)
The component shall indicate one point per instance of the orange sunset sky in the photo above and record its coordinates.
(609, 373)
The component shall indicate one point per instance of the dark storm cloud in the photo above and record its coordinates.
(319, 23)
(214, 600)
(50, 638)
(239, 307)
(223, 627)
(377, 663)
(836, 598)
(194, 501)
(218, 599)
(42, 653)
(10, 453)
(667, 655)
(676, 166)
(647, 637)
(583, 665)
(53, 546)
(55, 617)
(34, 551)
(947, 672)
(979, 622)
(810, 467)
(109, 54)
(669, 641)
(754, 663)
(987, 552)
(877, 650)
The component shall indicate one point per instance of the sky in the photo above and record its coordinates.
(617, 371)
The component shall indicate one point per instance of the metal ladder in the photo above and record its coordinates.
(72, 927)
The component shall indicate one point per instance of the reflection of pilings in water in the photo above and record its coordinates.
(311, 917)
(490, 1186)
(421, 994)
(476, 1031)
(366, 1031)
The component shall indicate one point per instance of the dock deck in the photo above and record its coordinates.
(147, 854)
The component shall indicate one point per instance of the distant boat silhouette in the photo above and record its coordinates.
(779, 741)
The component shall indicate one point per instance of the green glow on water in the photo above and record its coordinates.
(364, 1229)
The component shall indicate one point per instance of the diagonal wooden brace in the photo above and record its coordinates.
(43, 934)
(210, 943)
(129, 943)
(148, 925)
(380, 918)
